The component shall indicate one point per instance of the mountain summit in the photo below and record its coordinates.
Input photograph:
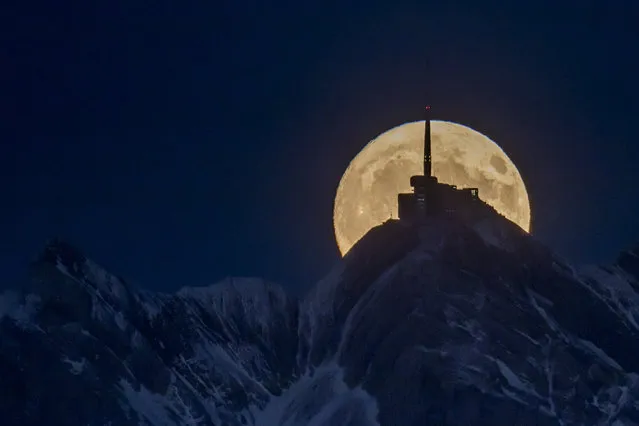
(444, 323)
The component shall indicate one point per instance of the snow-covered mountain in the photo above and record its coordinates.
(448, 324)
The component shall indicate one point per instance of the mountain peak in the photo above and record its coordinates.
(450, 322)
(72, 287)
(254, 299)
(481, 315)
(63, 255)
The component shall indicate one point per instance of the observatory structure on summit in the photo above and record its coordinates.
(430, 197)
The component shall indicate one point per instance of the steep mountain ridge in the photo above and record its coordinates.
(452, 323)
(201, 354)
(494, 331)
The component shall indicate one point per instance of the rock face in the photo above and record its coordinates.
(83, 348)
(478, 326)
(446, 324)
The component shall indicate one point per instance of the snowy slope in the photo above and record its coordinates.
(204, 356)
(476, 325)
(452, 323)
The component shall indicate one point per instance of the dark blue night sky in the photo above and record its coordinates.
(180, 142)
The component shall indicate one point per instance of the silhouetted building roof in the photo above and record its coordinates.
(430, 197)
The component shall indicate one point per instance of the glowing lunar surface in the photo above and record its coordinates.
(367, 193)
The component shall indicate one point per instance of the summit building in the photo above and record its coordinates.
(430, 197)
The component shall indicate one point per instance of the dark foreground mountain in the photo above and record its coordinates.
(448, 324)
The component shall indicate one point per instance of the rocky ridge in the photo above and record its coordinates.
(447, 324)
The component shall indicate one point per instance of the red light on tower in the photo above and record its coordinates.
(427, 107)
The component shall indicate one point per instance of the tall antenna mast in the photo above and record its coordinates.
(427, 159)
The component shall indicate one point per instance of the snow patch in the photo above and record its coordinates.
(120, 321)
(491, 233)
(105, 282)
(21, 311)
(152, 310)
(320, 399)
(589, 346)
(527, 337)
(62, 267)
(214, 357)
(146, 404)
(614, 290)
(152, 407)
(514, 381)
(253, 298)
(77, 367)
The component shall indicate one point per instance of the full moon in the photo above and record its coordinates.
(367, 193)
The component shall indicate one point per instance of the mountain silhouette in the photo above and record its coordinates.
(446, 323)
